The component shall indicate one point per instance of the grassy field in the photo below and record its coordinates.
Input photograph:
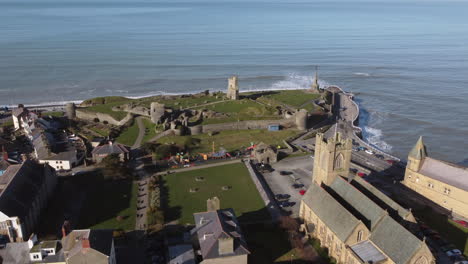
(295, 98)
(243, 197)
(455, 233)
(107, 200)
(129, 135)
(99, 130)
(231, 140)
(185, 102)
(150, 131)
(240, 110)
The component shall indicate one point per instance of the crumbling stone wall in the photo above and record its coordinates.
(90, 116)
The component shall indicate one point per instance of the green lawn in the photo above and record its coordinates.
(150, 130)
(101, 131)
(105, 201)
(107, 109)
(231, 139)
(129, 135)
(294, 98)
(455, 233)
(243, 197)
(185, 102)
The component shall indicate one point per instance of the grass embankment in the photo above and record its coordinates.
(129, 135)
(105, 104)
(150, 130)
(456, 234)
(230, 140)
(292, 98)
(243, 196)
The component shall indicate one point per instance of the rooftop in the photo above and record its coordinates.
(367, 252)
(215, 225)
(446, 172)
(110, 148)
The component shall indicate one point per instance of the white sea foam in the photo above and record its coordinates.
(374, 137)
(292, 81)
(362, 74)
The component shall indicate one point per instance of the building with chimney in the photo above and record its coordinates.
(218, 237)
(89, 246)
(24, 192)
(353, 219)
(100, 152)
(444, 183)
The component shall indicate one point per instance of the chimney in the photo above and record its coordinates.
(85, 243)
(110, 143)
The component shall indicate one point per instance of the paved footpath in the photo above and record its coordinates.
(141, 132)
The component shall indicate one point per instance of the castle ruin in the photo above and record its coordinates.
(233, 88)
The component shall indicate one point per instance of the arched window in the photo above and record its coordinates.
(359, 236)
(339, 160)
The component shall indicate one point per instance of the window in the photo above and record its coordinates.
(430, 185)
(339, 160)
(447, 191)
(359, 236)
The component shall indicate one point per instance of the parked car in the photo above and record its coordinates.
(361, 174)
(285, 173)
(297, 185)
(380, 156)
(362, 148)
(453, 253)
(282, 196)
(302, 192)
(353, 170)
(368, 151)
(461, 262)
(462, 223)
(391, 162)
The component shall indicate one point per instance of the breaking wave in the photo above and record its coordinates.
(374, 137)
(364, 74)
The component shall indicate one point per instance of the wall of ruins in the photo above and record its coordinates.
(102, 117)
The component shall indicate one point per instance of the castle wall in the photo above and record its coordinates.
(242, 125)
(102, 117)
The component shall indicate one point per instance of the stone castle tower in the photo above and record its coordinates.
(416, 156)
(157, 111)
(233, 88)
(70, 110)
(332, 158)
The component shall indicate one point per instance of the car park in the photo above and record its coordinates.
(370, 152)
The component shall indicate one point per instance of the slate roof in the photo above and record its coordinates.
(210, 226)
(395, 241)
(445, 172)
(330, 211)
(365, 207)
(15, 253)
(99, 240)
(367, 252)
(28, 178)
(181, 254)
(380, 198)
(113, 148)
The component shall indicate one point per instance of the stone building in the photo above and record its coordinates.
(100, 152)
(442, 182)
(264, 153)
(21, 116)
(315, 87)
(233, 88)
(218, 236)
(24, 192)
(89, 246)
(355, 221)
(157, 112)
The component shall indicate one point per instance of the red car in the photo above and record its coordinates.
(361, 174)
(462, 223)
(390, 161)
(302, 192)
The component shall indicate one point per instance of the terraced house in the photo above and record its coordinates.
(354, 220)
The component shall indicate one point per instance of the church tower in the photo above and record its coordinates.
(332, 158)
(417, 156)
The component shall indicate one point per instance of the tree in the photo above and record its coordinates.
(113, 168)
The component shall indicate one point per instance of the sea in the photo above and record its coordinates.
(406, 61)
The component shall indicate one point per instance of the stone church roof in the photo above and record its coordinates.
(445, 172)
(395, 241)
(371, 213)
(330, 211)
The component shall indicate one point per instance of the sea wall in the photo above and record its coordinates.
(86, 115)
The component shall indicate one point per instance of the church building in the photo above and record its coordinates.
(354, 220)
(442, 182)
